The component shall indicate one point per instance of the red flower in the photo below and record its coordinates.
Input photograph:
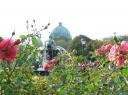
(46, 66)
(8, 50)
(53, 61)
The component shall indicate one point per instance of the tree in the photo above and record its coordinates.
(86, 49)
(63, 42)
(124, 37)
(77, 45)
(111, 39)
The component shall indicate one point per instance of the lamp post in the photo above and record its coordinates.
(83, 42)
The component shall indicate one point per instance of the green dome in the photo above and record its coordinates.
(60, 31)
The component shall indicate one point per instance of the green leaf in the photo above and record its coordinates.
(29, 35)
(23, 36)
(97, 79)
(34, 40)
(61, 91)
(90, 87)
(125, 72)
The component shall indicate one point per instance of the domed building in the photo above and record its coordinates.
(61, 31)
(61, 36)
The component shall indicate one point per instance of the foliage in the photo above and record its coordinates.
(16, 62)
(77, 45)
(63, 42)
(110, 39)
(67, 78)
(100, 77)
(124, 37)
(16, 76)
(86, 49)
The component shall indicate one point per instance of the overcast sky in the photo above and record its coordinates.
(94, 18)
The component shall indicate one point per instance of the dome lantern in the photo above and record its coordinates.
(60, 31)
(60, 23)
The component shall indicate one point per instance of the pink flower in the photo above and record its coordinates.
(104, 49)
(116, 55)
(120, 61)
(8, 50)
(124, 44)
(113, 52)
(108, 47)
(111, 57)
(117, 52)
(114, 49)
(124, 47)
(99, 51)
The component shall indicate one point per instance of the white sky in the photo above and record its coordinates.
(93, 18)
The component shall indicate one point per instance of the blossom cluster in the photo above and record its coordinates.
(116, 52)
(8, 49)
(49, 64)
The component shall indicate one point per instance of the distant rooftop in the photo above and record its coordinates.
(60, 31)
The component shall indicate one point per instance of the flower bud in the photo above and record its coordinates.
(13, 33)
(34, 20)
(27, 21)
(45, 27)
(48, 23)
(18, 41)
(32, 26)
